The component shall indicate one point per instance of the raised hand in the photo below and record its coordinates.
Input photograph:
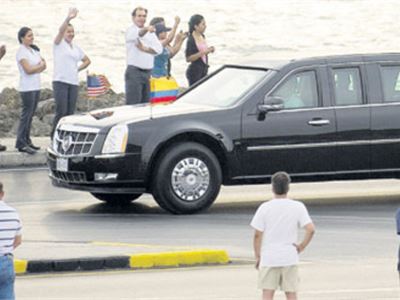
(177, 20)
(72, 13)
(181, 36)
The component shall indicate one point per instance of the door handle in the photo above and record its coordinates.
(318, 122)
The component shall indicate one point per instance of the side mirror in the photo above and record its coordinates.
(271, 103)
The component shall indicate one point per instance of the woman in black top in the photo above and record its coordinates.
(197, 50)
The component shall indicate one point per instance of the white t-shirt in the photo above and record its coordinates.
(66, 62)
(28, 82)
(279, 220)
(136, 57)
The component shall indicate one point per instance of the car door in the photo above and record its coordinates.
(297, 139)
(352, 117)
(385, 127)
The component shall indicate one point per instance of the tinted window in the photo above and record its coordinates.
(299, 90)
(347, 86)
(391, 83)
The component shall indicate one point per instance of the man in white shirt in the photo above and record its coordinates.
(10, 238)
(276, 248)
(142, 45)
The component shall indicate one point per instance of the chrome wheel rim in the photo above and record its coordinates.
(190, 179)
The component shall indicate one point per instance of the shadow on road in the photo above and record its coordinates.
(132, 208)
(367, 203)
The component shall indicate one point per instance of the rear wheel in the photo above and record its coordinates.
(116, 199)
(187, 179)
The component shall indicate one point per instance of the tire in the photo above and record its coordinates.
(187, 178)
(116, 199)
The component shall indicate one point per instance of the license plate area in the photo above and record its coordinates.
(62, 164)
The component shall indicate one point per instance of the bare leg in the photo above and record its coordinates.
(291, 296)
(268, 294)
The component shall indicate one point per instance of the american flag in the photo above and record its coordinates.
(97, 85)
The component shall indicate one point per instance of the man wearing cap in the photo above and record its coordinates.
(141, 47)
(10, 238)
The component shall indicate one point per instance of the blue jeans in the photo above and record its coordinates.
(7, 278)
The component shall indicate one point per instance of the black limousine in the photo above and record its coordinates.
(324, 118)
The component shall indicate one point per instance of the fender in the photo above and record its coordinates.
(166, 133)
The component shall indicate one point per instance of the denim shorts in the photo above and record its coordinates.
(7, 277)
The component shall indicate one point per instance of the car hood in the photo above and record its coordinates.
(133, 113)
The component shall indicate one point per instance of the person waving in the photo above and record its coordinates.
(67, 56)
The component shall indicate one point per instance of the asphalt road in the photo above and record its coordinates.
(355, 246)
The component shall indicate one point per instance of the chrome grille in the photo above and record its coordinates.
(74, 143)
(72, 177)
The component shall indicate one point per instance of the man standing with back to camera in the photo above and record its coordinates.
(142, 45)
(276, 249)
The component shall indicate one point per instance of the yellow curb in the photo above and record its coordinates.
(20, 266)
(178, 258)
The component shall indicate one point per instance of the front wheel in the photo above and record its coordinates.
(187, 179)
(116, 199)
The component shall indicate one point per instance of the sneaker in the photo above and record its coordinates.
(26, 149)
(3, 148)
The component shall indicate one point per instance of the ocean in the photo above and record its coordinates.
(240, 30)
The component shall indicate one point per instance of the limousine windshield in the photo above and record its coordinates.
(225, 87)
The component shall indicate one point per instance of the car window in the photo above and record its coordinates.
(347, 84)
(299, 91)
(391, 83)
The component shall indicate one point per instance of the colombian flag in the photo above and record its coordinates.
(163, 89)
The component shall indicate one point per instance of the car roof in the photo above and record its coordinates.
(321, 60)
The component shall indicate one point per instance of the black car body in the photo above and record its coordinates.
(324, 118)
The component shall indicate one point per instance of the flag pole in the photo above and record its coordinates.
(87, 96)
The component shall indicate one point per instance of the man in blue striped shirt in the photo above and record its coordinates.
(10, 238)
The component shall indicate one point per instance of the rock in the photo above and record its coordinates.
(10, 98)
(40, 128)
(48, 119)
(44, 108)
(7, 119)
(46, 94)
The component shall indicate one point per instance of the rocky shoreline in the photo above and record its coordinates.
(10, 109)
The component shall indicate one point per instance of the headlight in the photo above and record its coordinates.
(55, 138)
(116, 140)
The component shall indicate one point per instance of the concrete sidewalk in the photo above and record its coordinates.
(11, 158)
(58, 256)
